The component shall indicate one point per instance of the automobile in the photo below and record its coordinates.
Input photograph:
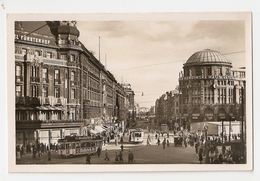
(178, 141)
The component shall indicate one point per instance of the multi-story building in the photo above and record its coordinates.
(131, 111)
(60, 86)
(209, 91)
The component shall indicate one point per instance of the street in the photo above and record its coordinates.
(143, 153)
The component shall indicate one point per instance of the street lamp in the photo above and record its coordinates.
(206, 143)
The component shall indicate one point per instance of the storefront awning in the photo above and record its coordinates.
(93, 131)
(99, 129)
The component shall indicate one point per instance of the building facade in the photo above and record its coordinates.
(131, 110)
(61, 88)
(209, 91)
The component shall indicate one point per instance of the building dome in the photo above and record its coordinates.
(207, 56)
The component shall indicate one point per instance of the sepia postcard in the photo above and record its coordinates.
(130, 92)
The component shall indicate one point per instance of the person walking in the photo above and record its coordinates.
(129, 156)
(98, 151)
(116, 159)
(158, 142)
(164, 142)
(200, 154)
(120, 156)
(168, 143)
(49, 155)
(106, 155)
(88, 158)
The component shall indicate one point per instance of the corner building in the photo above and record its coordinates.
(209, 89)
(60, 87)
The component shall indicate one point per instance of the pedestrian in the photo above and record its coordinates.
(40, 155)
(98, 151)
(122, 147)
(106, 155)
(34, 151)
(88, 158)
(158, 142)
(121, 140)
(168, 143)
(185, 143)
(116, 141)
(116, 159)
(148, 142)
(49, 155)
(129, 156)
(196, 147)
(200, 154)
(120, 156)
(164, 142)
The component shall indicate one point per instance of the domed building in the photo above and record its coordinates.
(210, 91)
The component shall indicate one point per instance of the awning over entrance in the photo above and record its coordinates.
(99, 129)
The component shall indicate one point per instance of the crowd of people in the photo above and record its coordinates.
(35, 151)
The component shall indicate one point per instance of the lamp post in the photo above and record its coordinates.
(206, 144)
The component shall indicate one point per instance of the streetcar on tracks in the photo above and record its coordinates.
(78, 145)
(136, 135)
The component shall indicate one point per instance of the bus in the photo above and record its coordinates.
(78, 145)
(164, 128)
(136, 135)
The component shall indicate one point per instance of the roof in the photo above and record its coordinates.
(207, 56)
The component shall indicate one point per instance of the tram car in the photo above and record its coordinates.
(137, 135)
(78, 145)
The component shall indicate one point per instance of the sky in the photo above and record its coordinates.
(150, 54)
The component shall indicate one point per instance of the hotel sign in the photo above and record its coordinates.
(195, 116)
(32, 39)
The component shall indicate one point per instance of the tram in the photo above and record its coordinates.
(136, 135)
(77, 145)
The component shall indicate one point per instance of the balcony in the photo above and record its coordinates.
(57, 81)
(73, 83)
(20, 100)
(46, 101)
(45, 80)
(18, 78)
(35, 80)
(52, 101)
(19, 57)
(23, 124)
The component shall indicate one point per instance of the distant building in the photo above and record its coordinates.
(131, 109)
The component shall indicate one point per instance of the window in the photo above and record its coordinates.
(45, 73)
(34, 71)
(45, 91)
(18, 70)
(72, 75)
(57, 74)
(37, 53)
(23, 51)
(73, 93)
(56, 92)
(18, 91)
(72, 58)
(34, 90)
(208, 71)
(48, 55)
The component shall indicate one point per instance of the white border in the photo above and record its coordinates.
(26, 6)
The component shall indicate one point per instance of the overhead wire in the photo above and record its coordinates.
(144, 66)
